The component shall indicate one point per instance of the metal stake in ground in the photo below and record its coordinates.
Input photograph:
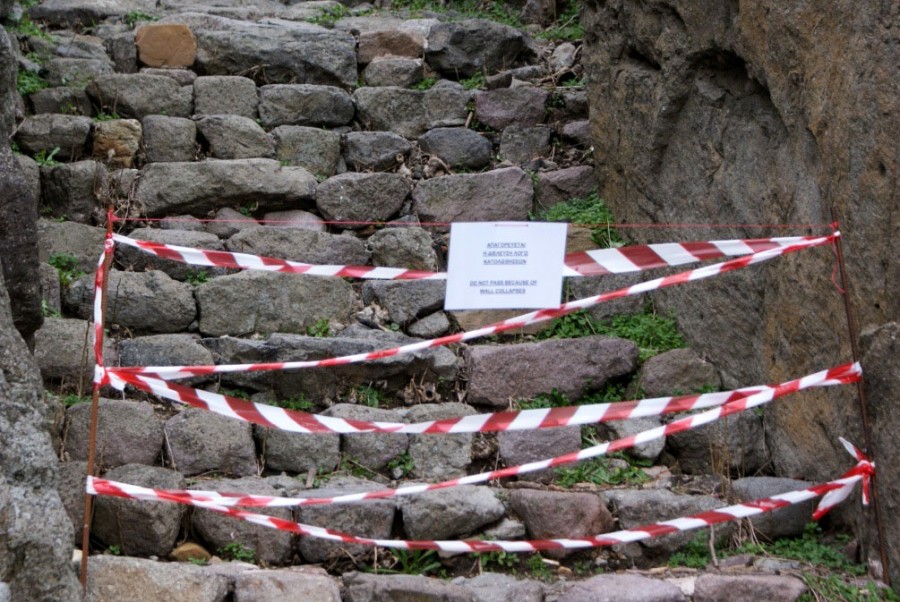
(861, 392)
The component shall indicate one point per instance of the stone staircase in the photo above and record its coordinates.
(329, 134)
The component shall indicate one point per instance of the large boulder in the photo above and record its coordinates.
(410, 113)
(464, 48)
(166, 188)
(722, 106)
(360, 197)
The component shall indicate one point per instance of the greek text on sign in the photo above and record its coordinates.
(505, 265)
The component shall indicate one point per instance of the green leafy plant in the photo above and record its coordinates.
(66, 266)
(29, 82)
(47, 160)
(403, 462)
(553, 399)
(104, 116)
(571, 326)
(538, 568)
(369, 396)
(196, 276)
(694, 554)
(653, 333)
(25, 27)
(835, 588)
(413, 562)
(320, 329)
(330, 15)
(599, 472)
(476, 82)
(237, 551)
(114, 550)
(425, 84)
(567, 26)
(300, 403)
(131, 19)
(589, 211)
(71, 399)
(238, 393)
(47, 312)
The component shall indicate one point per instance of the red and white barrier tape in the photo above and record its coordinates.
(172, 372)
(836, 376)
(596, 262)
(304, 422)
(108, 249)
(833, 492)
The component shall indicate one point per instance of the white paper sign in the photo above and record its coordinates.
(505, 265)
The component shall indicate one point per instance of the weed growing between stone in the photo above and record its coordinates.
(66, 266)
(601, 471)
(44, 159)
(567, 26)
(238, 552)
(136, 16)
(29, 82)
(320, 329)
(588, 211)
(425, 84)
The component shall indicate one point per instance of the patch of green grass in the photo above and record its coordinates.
(71, 399)
(412, 562)
(589, 211)
(330, 16)
(66, 266)
(104, 116)
(599, 472)
(653, 333)
(368, 395)
(476, 82)
(237, 551)
(196, 276)
(199, 561)
(47, 160)
(570, 326)
(553, 399)
(25, 27)
(131, 19)
(28, 82)
(300, 403)
(236, 393)
(354, 468)
(567, 26)
(404, 462)
(320, 329)
(425, 84)
(500, 559)
(835, 588)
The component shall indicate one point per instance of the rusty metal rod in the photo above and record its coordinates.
(95, 407)
(861, 394)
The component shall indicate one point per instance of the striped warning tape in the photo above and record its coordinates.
(304, 422)
(171, 372)
(99, 275)
(832, 492)
(634, 258)
(836, 376)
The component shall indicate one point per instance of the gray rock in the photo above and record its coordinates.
(234, 137)
(184, 223)
(362, 197)
(498, 374)
(393, 42)
(737, 443)
(507, 528)
(272, 586)
(563, 57)
(132, 258)
(75, 72)
(498, 195)
(404, 247)
(364, 587)
(303, 245)
(560, 185)
(373, 451)
(393, 71)
(138, 527)
(70, 485)
(297, 219)
(83, 242)
(410, 113)
(165, 350)
(374, 518)
(577, 132)
(430, 327)
(227, 222)
(634, 507)
(200, 441)
(626, 428)
(440, 457)
(71, 190)
(37, 536)
(197, 188)
(298, 452)
(142, 302)
(450, 513)
(464, 48)
(523, 106)
(50, 290)
(504, 79)
(521, 447)
(677, 372)
(61, 100)
(499, 587)
(522, 144)
(225, 95)
(786, 522)
(579, 288)
(280, 303)
(142, 580)
(128, 432)
(138, 95)
(64, 350)
(623, 588)
(291, 51)
(46, 133)
(270, 547)
(82, 47)
(169, 139)
(375, 151)
(184, 77)
(316, 150)
(116, 142)
(304, 104)
(405, 300)
(81, 12)
(734, 588)
(561, 514)
(457, 147)
(123, 52)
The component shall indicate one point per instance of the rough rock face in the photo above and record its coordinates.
(743, 110)
(35, 532)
